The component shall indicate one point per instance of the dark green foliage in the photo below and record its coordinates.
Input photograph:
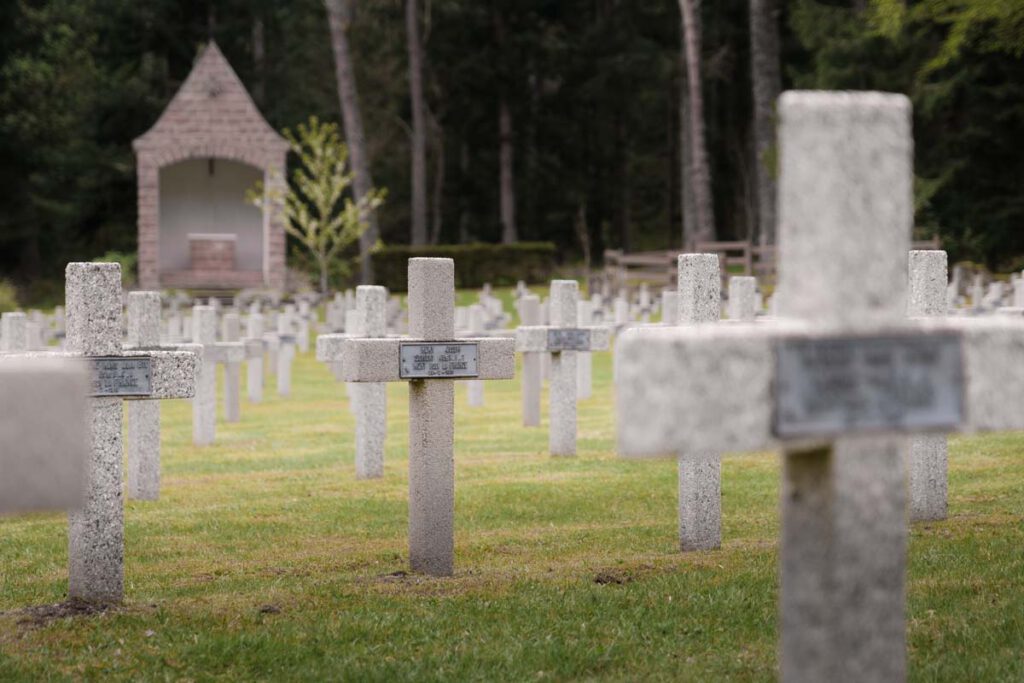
(593, 90)
(475, 264)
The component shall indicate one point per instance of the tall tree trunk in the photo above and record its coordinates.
(506, 161)
(621, 194)
(700, 169)
(258, 61)
(436, 213)
(506, 147)
(766, 75)
(465, 217)
(672, 175)
(339, 19)
(419, 132)
(686, 199)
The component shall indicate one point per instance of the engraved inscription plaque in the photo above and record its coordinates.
(845, 385)
(121, 376)
(437, 359)
(569, 339)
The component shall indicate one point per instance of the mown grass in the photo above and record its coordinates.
(266, 559)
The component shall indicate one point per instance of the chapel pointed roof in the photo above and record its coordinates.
(212, 111)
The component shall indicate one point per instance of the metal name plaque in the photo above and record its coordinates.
(846, 385)
(568, 340)
(121, 376)
(443, 359)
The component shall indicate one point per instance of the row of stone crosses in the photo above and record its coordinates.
(855, 375)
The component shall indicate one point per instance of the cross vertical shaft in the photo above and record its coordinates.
(562, 429)
(432, 424)
(370, 399)
(845, 213)
(928, 457)
(700, 474)
(96, 531)
(144, 416)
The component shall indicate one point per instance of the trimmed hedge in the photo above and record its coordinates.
(475, 264)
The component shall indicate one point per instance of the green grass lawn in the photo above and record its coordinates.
(266, 559)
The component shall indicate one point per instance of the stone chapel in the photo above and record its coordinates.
(210, 145)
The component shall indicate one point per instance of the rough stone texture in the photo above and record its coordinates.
(584, 361)
(700, 501)
(93, 300)
(842, 562)
(475, 387)
(432, 476)
(13, 336)
(255, 350)
(370, 401)
(700, 288)
(204, 405)
(742, 297)
(926, 291)
(700, 472)
(529, 314)
(211, 116)
(928, 470)
(845, 206)
(96, 531)
(376, 360)
(562, 396)
(144, 450)
(44, 434)
(928, 459)
(144, 416)
(432, 300)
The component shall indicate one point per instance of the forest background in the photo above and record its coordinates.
(570, 121)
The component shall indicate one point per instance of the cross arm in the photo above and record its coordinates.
(711, 387)
(172, 373)
(535, 338)
(225, 352)
(370, 359)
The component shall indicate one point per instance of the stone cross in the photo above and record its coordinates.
(926, 297)
(255, 348)
(44, 433)
(700, 472)
(231, 331)
(285, 350)
(13, 336)
(562, 339)
(302, 326)
(144, 416)
(529, 315)
(742, 297)
(477, 326)
(429, 359)
(204, 405)
(369, 400)
(584, 359)
(670, 307)
(835, 387)
(96, 531)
